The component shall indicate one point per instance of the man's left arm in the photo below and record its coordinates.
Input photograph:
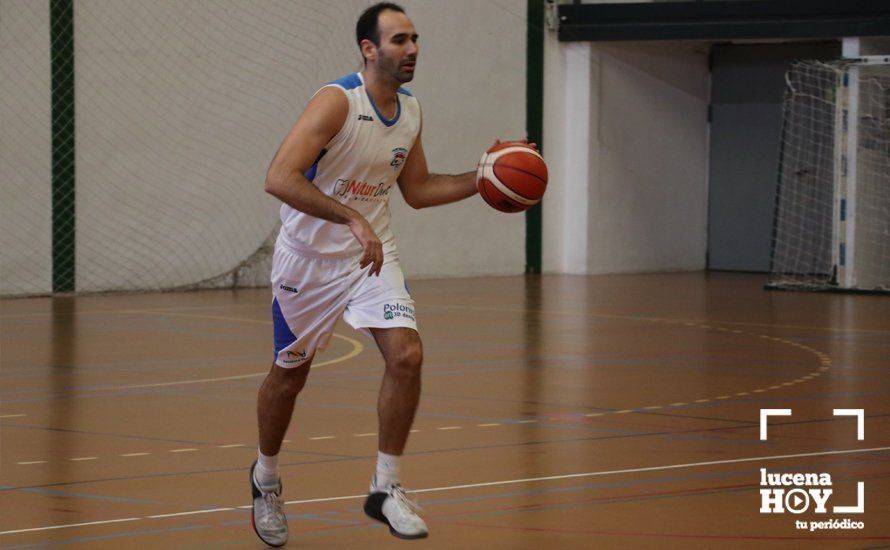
(422, 189)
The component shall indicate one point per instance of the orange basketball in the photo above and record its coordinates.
(511, 177)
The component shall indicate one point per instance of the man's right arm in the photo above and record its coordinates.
(285, 180)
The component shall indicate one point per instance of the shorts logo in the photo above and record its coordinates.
(295, 356)
(399, 154)
(288, 288)
(392, 311)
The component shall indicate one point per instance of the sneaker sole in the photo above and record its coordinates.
(373, 509)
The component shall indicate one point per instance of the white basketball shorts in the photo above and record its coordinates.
(311, 293)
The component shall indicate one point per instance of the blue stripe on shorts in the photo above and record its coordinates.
(283, 334)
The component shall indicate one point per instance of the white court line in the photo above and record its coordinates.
(193, 512)
(69, 525)
(489, 484)
(12, 415)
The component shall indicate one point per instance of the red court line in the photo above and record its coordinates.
(660, 535)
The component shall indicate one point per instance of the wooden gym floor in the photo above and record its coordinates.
(557, 411)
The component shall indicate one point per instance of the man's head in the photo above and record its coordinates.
(387, 40)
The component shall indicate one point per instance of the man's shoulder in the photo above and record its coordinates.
(348, 82)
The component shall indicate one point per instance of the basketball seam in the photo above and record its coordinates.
(484, 193)
(490, 200)
(507, 191)
(513, 149)
(539, 178)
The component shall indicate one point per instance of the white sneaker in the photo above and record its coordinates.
(267, 517)
(393, 507)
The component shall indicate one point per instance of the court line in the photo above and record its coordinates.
(167, 311)
(696, 322)
(357, 348)
(484, 484)
(102, 522)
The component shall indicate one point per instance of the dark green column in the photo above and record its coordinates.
(62, 66)
(534, 121)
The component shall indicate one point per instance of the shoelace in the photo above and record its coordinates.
(273, 505)
(401, 497)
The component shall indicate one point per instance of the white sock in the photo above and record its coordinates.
(266, 471)
(387, 470)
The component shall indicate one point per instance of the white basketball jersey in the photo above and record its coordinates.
(358, 167)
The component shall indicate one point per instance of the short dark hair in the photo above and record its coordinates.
(366, 28)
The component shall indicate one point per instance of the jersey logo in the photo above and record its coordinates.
(399, 154)
(365, 117)
(351, 189)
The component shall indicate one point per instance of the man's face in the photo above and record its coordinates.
(397, 53)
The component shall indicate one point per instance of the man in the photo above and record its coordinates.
(336, 254)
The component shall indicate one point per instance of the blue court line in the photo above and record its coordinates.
(112, 536)
(68, 494)
(354, 524)
(313, 517)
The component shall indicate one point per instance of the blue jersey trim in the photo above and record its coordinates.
(406, 92)
(348, 82)
(310, 174)
(283, 334)
(383, 119)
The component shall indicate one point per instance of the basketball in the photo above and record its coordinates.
(511, 177)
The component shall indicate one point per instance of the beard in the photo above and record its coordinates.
(393, 68)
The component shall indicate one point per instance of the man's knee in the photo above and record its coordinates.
(290, 379)
(407, 360)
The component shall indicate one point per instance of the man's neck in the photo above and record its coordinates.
(382, 90)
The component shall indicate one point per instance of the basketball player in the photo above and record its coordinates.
(335, 254)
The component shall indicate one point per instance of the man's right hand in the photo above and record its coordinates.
(373, 249)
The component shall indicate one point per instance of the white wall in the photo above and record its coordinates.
(181, 105)
(640, 109)
(471, 85)
(25, 148)
(648, 197)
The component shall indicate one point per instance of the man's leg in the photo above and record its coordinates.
(396, 405)
(275, 405)
(400, 389)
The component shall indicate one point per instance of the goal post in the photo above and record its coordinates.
(832, 218)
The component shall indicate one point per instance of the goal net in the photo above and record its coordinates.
(832, 220)
(136, 135)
